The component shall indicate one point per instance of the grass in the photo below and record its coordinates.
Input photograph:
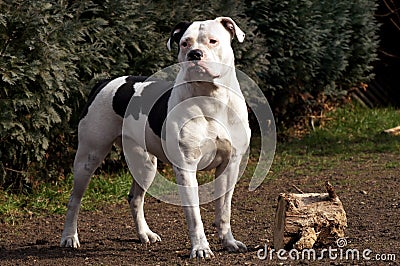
(351, 132)
(53, 199)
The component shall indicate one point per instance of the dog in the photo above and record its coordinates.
(205, 127)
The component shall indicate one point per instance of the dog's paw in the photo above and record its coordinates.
(70, 241)
(149, 237)
(201, 252)
(233, 245)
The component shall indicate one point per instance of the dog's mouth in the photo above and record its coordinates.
(201, 69)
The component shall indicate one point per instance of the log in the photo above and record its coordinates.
(393, 131)
(308, 220)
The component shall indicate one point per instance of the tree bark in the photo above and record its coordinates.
(308, 220)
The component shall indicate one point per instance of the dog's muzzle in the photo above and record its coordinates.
(195, 54)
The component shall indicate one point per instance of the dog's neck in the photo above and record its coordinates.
(218, 88)
(199, 88)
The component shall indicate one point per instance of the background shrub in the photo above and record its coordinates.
(52, 53)
(316, 49)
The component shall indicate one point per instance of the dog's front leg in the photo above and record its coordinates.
(226, 178)
(188, 191)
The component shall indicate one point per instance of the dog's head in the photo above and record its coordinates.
(206, 44)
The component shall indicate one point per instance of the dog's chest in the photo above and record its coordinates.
(204, 138)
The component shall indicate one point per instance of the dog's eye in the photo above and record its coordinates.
(213, 41)
(184, 44)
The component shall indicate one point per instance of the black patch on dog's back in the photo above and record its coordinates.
(158, 113)
(153, 103)
(124, 94)
(92, 95)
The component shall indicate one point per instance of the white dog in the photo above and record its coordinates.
(205, 127)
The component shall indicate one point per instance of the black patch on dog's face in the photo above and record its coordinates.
(124, 94)
(92, 95)
(178, 31)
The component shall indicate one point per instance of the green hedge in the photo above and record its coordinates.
(52, 52)
(316, 49)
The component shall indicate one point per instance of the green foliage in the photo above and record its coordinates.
(50, 53)
(38, 75)
(53, 52)
(315, 49)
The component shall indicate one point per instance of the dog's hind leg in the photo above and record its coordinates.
(92, 150)
(143, 166)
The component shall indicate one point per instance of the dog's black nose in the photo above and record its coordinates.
(195, 54)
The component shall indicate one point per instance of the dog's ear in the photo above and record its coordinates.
(177, 33)
(231, 26)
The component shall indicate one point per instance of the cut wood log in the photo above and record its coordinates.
(308, 220)
(393, 131)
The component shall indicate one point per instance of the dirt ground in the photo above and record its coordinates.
(369, 188)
